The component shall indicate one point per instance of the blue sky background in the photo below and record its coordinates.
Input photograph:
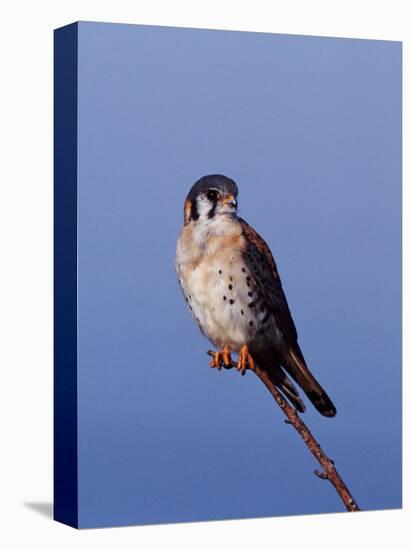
(310, 128)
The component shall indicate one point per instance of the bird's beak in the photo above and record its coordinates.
(229, 199)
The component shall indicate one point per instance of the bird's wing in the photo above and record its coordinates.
(260, 262)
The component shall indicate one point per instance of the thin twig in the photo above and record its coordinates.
(329, 471)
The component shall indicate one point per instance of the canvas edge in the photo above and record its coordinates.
(65, 446)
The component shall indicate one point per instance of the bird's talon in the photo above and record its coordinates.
(245, 360)
(220, 359)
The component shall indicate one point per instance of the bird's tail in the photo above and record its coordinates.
(288, 389)
(295, 365)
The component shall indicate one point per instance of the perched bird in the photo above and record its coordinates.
(231, 284)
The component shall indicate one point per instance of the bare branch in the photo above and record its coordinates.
(329, 471)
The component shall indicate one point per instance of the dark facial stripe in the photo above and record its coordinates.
(194, 214)
(212, 211)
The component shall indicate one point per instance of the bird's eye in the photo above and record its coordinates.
(212, 195)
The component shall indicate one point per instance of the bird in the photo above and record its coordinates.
(232, 287)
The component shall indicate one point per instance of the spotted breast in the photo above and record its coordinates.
(219, 286)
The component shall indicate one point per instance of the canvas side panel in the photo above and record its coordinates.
(65, 275)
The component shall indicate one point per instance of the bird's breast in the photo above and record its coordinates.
(220, 291)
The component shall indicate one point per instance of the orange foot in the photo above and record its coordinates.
(245, 360)
(220, 357)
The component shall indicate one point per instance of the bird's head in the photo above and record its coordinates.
(211, 196)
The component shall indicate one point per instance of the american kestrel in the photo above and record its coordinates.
(231, 284)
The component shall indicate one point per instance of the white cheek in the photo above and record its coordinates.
(203, 207)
